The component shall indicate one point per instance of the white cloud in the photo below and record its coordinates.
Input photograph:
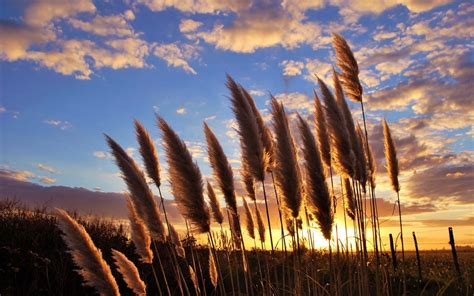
(46, 168)
(177, 55)
(63, 125)
(257, 92)
(102, 154)
(41, 13)
(116, 25)
(2, 109)
(181, 110)
(292, 68)
(189, 25)
(196, 6)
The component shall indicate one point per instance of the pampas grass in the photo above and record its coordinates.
(350, 70)
(142, 197)
(221, 169)
(349, 198)
(129, 272)
(266, 135)
(212, 270)
(316, 189)
(92, 267)
(174, 238)
(249, 183)
(391, 157)
(260, 224)
(360, 170)
(214, 205)
(148, 153)
(250, 138)
(287, 173)
(341, 153)
(321, 132)
(249, 219)
(185, 180)
(139, 233)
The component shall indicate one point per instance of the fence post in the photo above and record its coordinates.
(394, 255)
(417, 256)
(453, 249)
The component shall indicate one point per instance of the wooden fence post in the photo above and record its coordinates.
(453, 249)
(394, 255)
(417, 256)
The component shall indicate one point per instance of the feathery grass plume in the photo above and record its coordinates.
(235, 227)
(360, 170)
(267, 139)
(250, 139)
(148, 153)
(350, 70)
(194, 279)
(92, 267)
(316, 190)
(364, 157)
(391, 157)
(290, 226)
(215, 205)
(185, 179)
(372, 165)
(221, 168)
(212, 269)
(248, 181)
(129, 272)
(260, 225)
(321, 131)
(174, 238)
(342, 156)
(349, 198)
(140, 236)
(287, 175)
(142, 197)
(249, 219)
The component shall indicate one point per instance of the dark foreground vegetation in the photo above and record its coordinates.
(34, 261)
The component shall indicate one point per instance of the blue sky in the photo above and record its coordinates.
(72, 70)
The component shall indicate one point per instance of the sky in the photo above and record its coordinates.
(73, 70)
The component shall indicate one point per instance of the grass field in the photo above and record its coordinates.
(34, 261)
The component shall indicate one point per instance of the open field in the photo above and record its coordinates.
(33, 260)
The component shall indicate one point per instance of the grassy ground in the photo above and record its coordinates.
(34, 261)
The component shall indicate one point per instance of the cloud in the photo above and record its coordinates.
(41, 13)
(102, 154)
(452, 183)
(47, 180)
(177, 55)
(46, 168)
(3, 109)
(189, 25)
(200, 6)
(261, 26)
(15, 39)
(292, 68)
(181, 111)
(295, 101)
(116, 25)
(63, 125)
(257, 92)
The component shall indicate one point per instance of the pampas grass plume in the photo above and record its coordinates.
(287, 175)
(148, 153)
(249, 219)
(92, 267)
(212, 269)
(391, 157)
(215, 205)
(142, 197)
(129, 272)
(185, 180)
(139, 233)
